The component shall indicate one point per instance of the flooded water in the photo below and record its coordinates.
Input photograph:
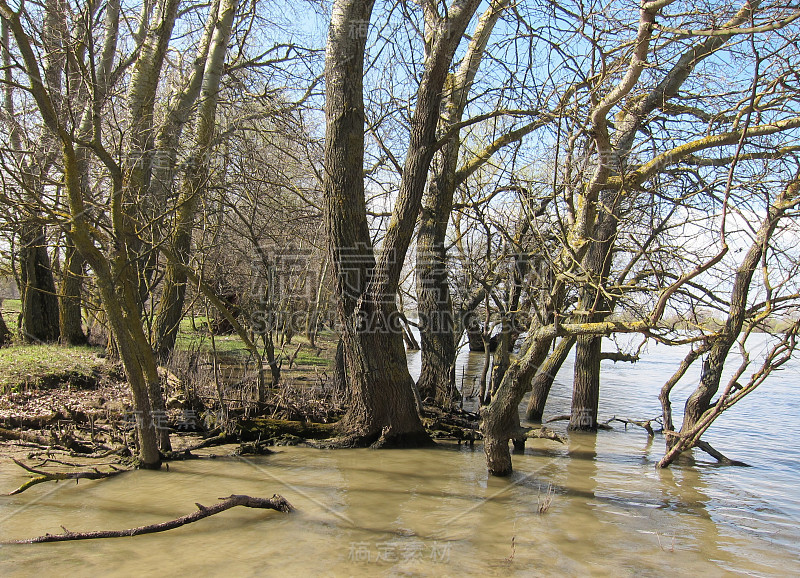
(436, 512)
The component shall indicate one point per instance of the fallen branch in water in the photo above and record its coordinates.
(643, 424)
(275, 503)
(42, 476)
(567, 417)
(541, 433)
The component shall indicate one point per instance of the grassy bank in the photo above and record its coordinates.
(23, 366)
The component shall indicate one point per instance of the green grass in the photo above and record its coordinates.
(190, 340)
(231, 346)
(24, 366)
(11, 309)
(306, 357)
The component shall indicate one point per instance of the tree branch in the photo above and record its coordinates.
(275, 503)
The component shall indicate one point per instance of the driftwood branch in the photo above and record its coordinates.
(8, 434)
(275, 503)
(564, 417)
(43, 476)
(540, 433)
(643, 424)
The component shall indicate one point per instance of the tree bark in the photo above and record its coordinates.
(586, 384)
(437, 328)
(70, 319)
(543, 381)
(382, 407)
(38, 288)
(170, 309)
(137, 170)
(501, 417)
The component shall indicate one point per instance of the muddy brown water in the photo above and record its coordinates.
(436, 512)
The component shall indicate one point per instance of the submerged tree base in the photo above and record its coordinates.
(384, 440)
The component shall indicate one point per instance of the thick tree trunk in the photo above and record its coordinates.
(38, 289)
(382, 409)
(70, 318)
(543, 381)
(438, 369)
(437, 331)
(437, 328)
(586, 384)
(474, 330)
(588, 349)
(382, 403)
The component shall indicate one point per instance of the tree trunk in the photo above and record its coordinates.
(586, 384)
(437, 328)
(38, 289)
(5, 334)
(700, 401)
(382, 405)
(382, 410)
(437, 338)
(170, 309)
(70, 318)
(474, 330)
(500, 421)
(543, 381)
(142, 97)
(502, 357)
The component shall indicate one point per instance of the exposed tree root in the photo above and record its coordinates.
(42, 476)
(385, 440)
(275, 503)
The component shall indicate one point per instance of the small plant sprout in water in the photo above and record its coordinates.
(671, 546)
(544, 501)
